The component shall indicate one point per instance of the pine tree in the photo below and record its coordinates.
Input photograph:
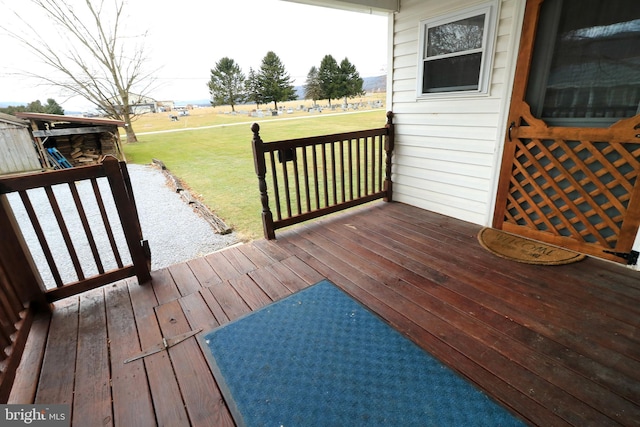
(312, 89)
(252, 88)
(274, 81)
(226, 85)
(328, 78)
(350, 82)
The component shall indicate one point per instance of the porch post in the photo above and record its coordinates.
(388, 148)
(125, 204)
(261, 171)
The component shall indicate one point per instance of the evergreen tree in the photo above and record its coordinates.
(252, 88)
(275, 83)
(349, 81)
(226, 85)
(312, 89)
(328, 78)
(52, 107)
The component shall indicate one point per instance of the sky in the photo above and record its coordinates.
(186, 38)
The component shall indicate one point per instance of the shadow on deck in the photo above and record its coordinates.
(556, 345)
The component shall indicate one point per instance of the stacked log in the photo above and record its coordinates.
(87, 149)
(84, 150)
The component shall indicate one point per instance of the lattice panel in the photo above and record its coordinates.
(578, 189)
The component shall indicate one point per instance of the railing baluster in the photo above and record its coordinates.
(306, 178)
(325, 176)
(44, 245)
(315, 175)
(296, 180)
(65, 232)
(106, 223)
(342, 176)
(373, 164)
(350, 153)
(366, 165)
(358, 171)
(276, 187)
(87, 229)
(380, 170)
(334, 184)
(287, 191)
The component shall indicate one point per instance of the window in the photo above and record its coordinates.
(585, 70)
(455, 52)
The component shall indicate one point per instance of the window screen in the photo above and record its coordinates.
(454, 52)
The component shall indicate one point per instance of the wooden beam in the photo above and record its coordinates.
(72, 131)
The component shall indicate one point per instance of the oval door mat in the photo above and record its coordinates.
(521, 249)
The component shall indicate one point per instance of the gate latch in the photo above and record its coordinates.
(631, 257)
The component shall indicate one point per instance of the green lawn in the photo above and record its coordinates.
(217, 163)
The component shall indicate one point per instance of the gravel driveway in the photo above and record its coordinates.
(175, 232)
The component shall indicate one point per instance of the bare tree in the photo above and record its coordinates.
(91, 55)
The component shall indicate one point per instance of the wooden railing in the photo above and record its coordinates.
(63, 210)
(22, 289)
(316, 176)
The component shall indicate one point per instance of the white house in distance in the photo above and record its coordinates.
(518, 114)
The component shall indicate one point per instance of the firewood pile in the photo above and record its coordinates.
(81, 150)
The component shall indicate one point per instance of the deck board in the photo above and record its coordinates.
(165, 392)
(199, 390)
(92, 401)
(131, 395)
(57, 376)
(556, 345)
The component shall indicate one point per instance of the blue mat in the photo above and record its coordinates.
(319, 358)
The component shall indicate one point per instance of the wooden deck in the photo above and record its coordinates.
(556, 345)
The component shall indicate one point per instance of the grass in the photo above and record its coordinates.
(216, 163)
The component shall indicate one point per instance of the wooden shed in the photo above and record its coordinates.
(78, 140)
(18, 152)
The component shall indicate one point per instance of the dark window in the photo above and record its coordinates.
(586, 63)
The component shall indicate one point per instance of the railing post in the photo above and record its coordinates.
(388, 148)
(261, 171)
(125, 204)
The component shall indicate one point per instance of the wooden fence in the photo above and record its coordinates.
(316, 176)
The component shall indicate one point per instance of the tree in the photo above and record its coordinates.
(226, 85)
(252, 88)
(312, 89)
(328, 78)
(274, 81)
(36, 106)
(349, 81)
(90, 56)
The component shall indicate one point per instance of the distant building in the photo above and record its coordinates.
(139, 104)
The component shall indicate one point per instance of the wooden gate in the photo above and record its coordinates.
(573, 186)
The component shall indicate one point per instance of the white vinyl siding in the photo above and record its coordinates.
(448, 148)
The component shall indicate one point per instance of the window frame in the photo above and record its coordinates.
(489, 10)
